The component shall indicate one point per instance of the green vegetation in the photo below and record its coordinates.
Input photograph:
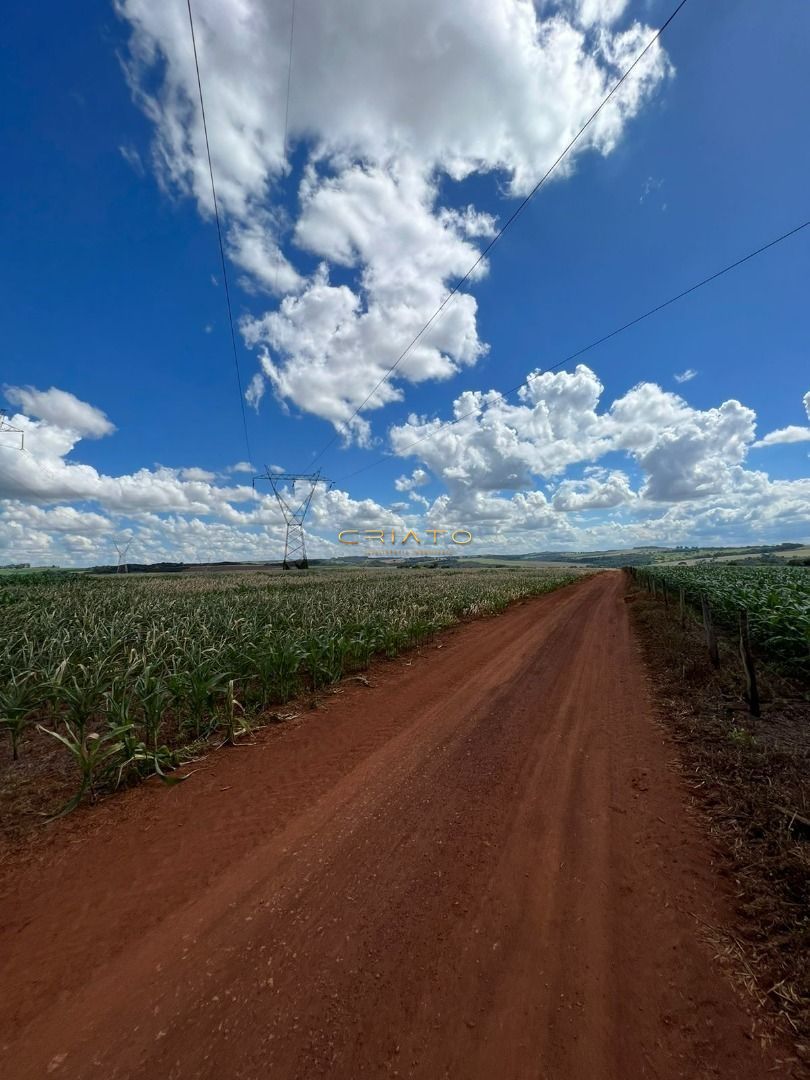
(652, 555)
(125, 672)
(777, 599)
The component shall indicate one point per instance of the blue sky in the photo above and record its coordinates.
(112, 287)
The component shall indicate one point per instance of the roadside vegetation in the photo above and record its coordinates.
(750, 775)
(775, 598)
(106, 681)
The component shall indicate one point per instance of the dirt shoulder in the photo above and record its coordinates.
(751, 779)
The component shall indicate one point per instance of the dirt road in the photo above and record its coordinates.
(482, 867)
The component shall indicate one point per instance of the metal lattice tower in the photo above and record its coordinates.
(287, 487)
(6, 427)
(122, 547)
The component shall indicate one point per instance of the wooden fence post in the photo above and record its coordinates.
(711, 636)
(752, 692)
(666, 594)
(682, 604)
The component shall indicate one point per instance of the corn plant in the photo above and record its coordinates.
(777, 599)
(153, 696)
(96, 756)
(194, 689)
(82, 693)
(276, 666)
(18, 700)
(325, 654)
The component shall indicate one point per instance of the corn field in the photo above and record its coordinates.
(777, 599)
(128, 675)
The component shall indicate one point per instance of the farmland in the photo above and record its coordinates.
(123, 674)
(495, 821)
(777, 599)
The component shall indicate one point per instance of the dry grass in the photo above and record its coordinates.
(752, 779)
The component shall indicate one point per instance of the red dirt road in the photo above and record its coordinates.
(481, 867)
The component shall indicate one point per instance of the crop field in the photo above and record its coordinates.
(777, 599)
(126, 676)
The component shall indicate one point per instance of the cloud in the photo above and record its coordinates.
(42, 474)
(540, 474)
(599, 12)
(790, 434)
(684, 477)
(196, 474)
(337, 343)
(597, 492)
(61, 519)
(806, 402)
(61, 409)
(685, 376)
(131, 156)
(695, 457)
(391, 109)
(252, 248)
(418, 478)
(255, 391)
(683, 453)
(171, 513)
(494, 445)
(650, 185)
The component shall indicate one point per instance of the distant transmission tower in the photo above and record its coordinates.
(5, 426)
(122, 547)
(287, 487)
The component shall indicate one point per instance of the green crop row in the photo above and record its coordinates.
(125, 672)
(777, 599)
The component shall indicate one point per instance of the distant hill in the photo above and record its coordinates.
(638, 556)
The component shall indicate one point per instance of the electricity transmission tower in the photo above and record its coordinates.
(122, 547)
(287, 488)
(5, 426)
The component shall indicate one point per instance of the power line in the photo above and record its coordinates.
(219, 237)
(286, 120)
(510, 220)
(593, 344)
(289, 78)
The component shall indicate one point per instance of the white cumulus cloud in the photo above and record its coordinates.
(538, 474)
(599, 491)
(391, 107)
(599, 12)
(417, 479)
(255, 391)
(61, 409)
(170, 513)
(790, 434)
